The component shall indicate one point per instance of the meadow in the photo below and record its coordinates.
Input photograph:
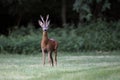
(71, 66)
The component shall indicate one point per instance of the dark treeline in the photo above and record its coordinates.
(21, 12)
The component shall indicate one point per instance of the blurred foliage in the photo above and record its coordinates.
(21, 40)
(88, 9)
(22, 12)
(100, 36)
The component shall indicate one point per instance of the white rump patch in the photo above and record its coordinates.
(52, 39)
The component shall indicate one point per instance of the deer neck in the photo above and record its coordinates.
(45, 37)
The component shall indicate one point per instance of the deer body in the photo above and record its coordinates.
(48, 45)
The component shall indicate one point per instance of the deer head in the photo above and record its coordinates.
(44, 23)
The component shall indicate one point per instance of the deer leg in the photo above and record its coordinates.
(50, 59)
(55, 60)
(43, 56)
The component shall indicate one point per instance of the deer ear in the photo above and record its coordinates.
(40, 23)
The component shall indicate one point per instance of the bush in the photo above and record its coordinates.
(95, 36)
(101, 36)
(21, 40)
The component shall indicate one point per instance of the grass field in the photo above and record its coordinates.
(70, 67)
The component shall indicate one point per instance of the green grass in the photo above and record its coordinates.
(70, 67)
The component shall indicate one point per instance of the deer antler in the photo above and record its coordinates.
(47, 21)
(47, 17)
(41, 23)
(42, 18)
(44, 23)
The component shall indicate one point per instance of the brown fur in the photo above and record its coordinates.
(49, 45)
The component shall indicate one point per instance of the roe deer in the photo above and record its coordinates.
(47, 45)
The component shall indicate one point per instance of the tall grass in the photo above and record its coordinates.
(99, 36)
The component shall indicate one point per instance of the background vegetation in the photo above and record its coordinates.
(22, 12)
(78, 25)
(96, 36)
